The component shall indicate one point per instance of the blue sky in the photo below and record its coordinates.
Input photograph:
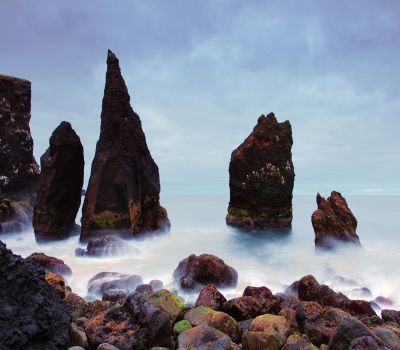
(201, 72)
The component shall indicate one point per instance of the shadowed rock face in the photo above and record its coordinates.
(60, 185)
(124, 186)
(33, 316)
(261, 177)
(333, 221)
(19, 172)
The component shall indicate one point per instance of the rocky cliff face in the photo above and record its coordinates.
(124, 186)
(33, 316)
(333, 221)
(59, 196)
(261, 177)
(19, 171)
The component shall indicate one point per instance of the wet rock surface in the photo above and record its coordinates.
(14, 216)
(210, 296)
(333, 221)
(33, 316)
(50, 264)
(106, 246)
(196, 271)
(60, 184)
(124, 186)
(261, 178)
(19, 172)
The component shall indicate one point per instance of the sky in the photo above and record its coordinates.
(200, 73)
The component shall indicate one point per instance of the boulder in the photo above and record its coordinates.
(261, 178)
(75, 304)
(19, 172)
(266, 332)
(123, 194)
(216, 319)
(137, 324)
(210, 296)
(181, 326)
(269, 302)
(347, 331)
(106, 246)
(367, 343)
(204, 337)
(113, 281)
(203, 269)
(391, 316)
(299, 342)
(167, 302)
(243, 308)
(318, 322)
(32, 313)
(60, 184)
(50, 264)
(57, 282)
(78, 336)
(310, 290)
(388, 337)
(333, 221)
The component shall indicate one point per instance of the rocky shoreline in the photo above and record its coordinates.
(128, 314)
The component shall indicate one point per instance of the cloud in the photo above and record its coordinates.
(200, 74)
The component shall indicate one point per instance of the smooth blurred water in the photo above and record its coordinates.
(271, 259)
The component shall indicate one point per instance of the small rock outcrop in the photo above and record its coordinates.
(14, 216)
(123, 194)
(32, 313)
(261, 178)
(106, 246)
(19, 172)
(60, 185)
(50, 264)
(196, 271)
(333, 221)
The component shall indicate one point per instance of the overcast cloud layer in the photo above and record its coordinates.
(201, 72)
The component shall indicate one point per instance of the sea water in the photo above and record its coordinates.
(272, 259)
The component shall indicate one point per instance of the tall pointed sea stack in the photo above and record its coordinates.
(60, 185)
(19, 172)
(261, 177)
(124, 187)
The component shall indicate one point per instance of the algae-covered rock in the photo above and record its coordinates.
(181, 326)
(216, 319)
(299, 342)
(167, 302)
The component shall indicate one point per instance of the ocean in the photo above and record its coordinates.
(272, 259)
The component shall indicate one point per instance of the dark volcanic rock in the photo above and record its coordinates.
(333, 221)
(137, 324)
(59, 196)
(204, 269)
(19, 172)
(310, 290)
(391, 316)
(124, 186)
(32, 314)
(14, 216)
(106, 246)
(50, 264)
(261, 177)
(210, 296)
(243, 308)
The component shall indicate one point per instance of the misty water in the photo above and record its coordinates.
(271, 259)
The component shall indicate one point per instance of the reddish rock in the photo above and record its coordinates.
(57, 282)
(270, 303)
(137, 324)
(391, 316)
(19, 172)
(75, 304)
(333, 221)
(261, 177)
(106, 246)
(210, 296)
(196, 271)
(243, 308)
(50, 264)
(310, 290)
(123, 194)
(60, 185)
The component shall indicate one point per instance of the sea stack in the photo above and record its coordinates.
(261, 178)
(60, 185)
(19, 172)
(333, 221)
(123, 195)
